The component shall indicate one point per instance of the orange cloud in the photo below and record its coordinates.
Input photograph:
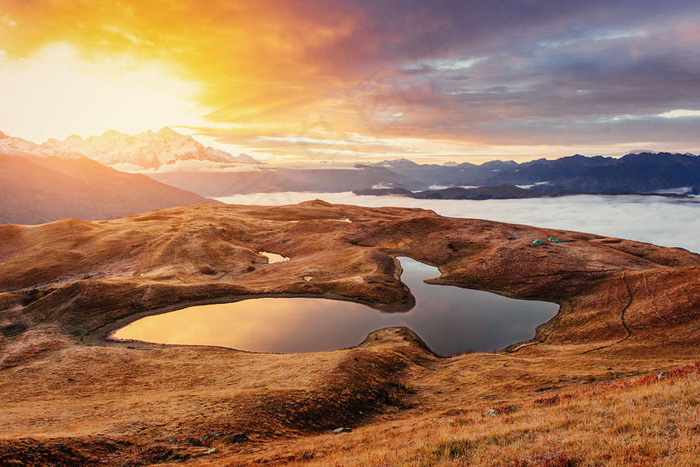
(472, 74)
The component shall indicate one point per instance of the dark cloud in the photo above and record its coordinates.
(548, 68)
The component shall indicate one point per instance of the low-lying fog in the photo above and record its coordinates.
(654, 219)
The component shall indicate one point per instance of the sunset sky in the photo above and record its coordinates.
(359, 80)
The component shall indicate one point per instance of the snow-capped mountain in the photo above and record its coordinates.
(144, 151)
(13, 146)
(40, 183)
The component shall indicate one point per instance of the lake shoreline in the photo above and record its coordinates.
(318, 325)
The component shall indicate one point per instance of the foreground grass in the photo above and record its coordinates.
(645, 421)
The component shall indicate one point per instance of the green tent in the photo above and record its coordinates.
(537, 242)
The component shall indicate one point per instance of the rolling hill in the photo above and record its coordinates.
(35, 189)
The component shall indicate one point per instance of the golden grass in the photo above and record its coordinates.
(654, 423)
(627, 308)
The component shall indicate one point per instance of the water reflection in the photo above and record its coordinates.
(449, 319)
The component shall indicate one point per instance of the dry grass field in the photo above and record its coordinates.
(613, 379)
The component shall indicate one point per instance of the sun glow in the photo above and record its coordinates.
(263, 77)
(56, 93)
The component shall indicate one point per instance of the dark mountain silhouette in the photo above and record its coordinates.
(494, 192)
(265, 180)
(545, 170)
(634, 173)
(638, 173)
(446, 174)
(484, 192)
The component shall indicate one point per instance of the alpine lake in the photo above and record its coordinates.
(451, 320)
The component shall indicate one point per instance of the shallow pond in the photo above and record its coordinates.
(273, 257)
(449, 319)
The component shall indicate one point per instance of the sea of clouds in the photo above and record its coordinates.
(654, 219)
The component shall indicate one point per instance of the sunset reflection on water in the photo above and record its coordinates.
(449, 319)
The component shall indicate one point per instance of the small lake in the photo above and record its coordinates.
(273, 257)
(449, 319)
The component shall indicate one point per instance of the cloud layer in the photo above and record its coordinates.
(444, 78)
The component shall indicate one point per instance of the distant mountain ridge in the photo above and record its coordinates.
(275, 179)
(495, 192)
(181, 161)
(639, 173)
(13, 146)
(634, 173)
(37, 186)
(145, 151)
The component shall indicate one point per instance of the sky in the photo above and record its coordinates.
(340, 80)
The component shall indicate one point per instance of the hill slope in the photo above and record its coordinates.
(616, 363)
(36, 189)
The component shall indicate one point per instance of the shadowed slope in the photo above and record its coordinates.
(37, 189)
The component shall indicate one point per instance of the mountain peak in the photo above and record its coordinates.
(396, 163)
(111, 133)
(403, 161)
(167, 131)
(74, 138)
(246, 159)
(145, 151)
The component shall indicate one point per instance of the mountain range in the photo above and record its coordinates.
(503, 191)
(633, 173)
(37, 186)
(73, 177)
(275, 179)
(147, 151)
(643, 172)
